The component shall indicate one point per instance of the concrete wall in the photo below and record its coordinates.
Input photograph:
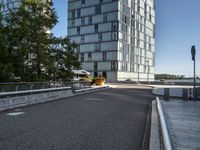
(10, 100)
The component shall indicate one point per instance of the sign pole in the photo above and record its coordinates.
(193, 52)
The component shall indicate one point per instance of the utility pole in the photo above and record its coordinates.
(193, 52)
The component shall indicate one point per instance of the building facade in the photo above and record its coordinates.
(14, 4)
(116, 38)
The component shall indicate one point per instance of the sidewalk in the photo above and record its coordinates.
(183, 123)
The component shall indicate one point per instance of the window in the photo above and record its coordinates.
(78, 13)
(73, 14)
(100, 37)
(114, 26)
(96, 28)
(104, 17)
(82, 21)
(150, 47)
(114, 36)
(150, 19)
(97, 46)
(113, 65)
(82, 56)
(95, 66)
(95, 74)
(83, 3)
(89, 56)
(90, 20)
(82, 39)
(98, 9)
(78, 30)
(77, 49)
(104, 74)
(73, 23)
(104, 56)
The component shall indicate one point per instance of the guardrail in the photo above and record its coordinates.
(165, 132)
(29, 92)
(23, 86)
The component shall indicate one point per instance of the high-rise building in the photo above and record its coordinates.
(116, 38)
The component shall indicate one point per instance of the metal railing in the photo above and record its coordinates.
(165, 132)
(30, 92)
(76, 85)
(23, 86)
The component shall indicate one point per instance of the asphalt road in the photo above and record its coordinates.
(112, 119)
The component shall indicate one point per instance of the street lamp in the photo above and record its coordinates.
(148, 72)
(138, 68)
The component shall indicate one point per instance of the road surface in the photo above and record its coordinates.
(112, 119)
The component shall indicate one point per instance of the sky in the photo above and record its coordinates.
(177, 29)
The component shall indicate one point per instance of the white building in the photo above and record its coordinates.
(116, 38)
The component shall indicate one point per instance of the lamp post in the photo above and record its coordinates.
(193, 52)
(138, 68)
(148, 72)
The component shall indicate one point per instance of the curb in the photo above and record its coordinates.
(154, 143)
(146, 137)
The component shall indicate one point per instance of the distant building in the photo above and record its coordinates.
(116, 37)
(13, 4)
(9, 4)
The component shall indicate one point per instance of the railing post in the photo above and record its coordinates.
(166, 94)
(185, 94)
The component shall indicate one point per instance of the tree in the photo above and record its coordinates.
(5, 59)
(168, 76)
(29, 50)
(30, 38)
(65, 58)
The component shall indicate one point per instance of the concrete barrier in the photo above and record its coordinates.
(173, 92)
(9, 100)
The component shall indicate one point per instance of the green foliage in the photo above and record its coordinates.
(28, 50)
(65, 58)
(5, 57)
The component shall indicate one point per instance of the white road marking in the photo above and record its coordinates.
(15, 113)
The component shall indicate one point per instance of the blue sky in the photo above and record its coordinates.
(177, 29)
